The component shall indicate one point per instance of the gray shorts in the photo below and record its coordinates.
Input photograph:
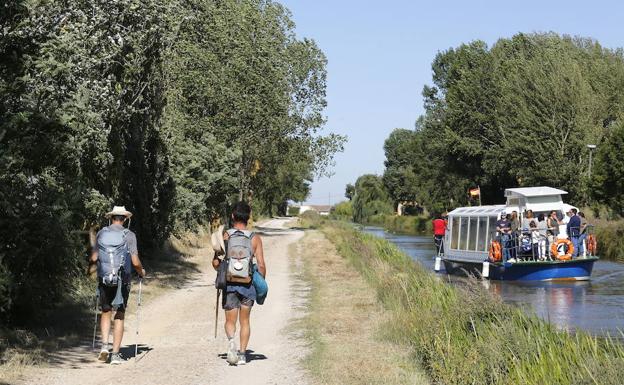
(235, 300)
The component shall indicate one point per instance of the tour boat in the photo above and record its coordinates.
(472, 245)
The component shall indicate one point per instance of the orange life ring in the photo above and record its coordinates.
(592, 244)
(554, 249)
(495, 251)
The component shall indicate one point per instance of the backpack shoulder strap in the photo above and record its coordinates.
(247, 233)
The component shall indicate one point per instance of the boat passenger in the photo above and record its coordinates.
(439, 230)
(535, 239)
(583, 236)
(553, 226)
(542, 228)
(503, 228)
(563, 230)
(574, 231)
(528, 217)
(515, 226)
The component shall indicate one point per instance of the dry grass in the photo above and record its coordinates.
(345, 324)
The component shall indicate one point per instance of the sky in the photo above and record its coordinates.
(379, 58)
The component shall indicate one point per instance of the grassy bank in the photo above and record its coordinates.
(344, 323)
(405, 224)
(69, 323)
(464, 335)
(610, 237)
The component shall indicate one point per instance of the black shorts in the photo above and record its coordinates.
(108, 293)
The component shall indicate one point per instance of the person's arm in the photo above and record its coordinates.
(259, 254)
(92, 262)
(134, 255)
(138, 266)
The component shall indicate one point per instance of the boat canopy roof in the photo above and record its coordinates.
(533, 191)
(478, 211)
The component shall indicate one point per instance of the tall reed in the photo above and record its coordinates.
(464, 334)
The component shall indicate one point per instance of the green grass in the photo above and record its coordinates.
(610, 237)
(464, 334)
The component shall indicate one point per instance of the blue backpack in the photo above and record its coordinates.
(113, 257)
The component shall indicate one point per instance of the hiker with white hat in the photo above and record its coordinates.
(243, 247)
(115, 254)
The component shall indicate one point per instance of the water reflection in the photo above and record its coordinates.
(596, 305)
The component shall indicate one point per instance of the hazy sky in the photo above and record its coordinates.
(380, 54)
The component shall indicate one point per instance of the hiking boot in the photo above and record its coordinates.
(116, 359)
(242, 358)
(103, 356)
(232, 354)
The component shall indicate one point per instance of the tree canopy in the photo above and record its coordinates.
(519, 113)
(173, 109)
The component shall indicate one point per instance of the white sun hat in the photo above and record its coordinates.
(119, 210)
(218, 245)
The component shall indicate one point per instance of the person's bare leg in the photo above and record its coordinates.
(230, 322)
(105, 321)
(245, 329)
(118, 330)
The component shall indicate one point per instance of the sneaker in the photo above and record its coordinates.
(103, 356)
(242, 358)
(116, 359)
(232, 354)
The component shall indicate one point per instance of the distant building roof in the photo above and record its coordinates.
(533, 191)
(319, 208)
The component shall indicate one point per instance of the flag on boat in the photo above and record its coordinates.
(475, 192)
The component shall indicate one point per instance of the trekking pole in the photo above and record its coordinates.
(217, 312)
(97, 298)
(136, 342)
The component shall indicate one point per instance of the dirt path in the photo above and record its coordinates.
(177, 344)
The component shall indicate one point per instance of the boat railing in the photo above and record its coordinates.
(534, 245)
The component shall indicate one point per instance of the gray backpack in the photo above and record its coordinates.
(239, 256)
(113, 257)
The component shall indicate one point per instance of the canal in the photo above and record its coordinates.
(596, 305)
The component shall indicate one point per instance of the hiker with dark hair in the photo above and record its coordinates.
(243, 246)
(115, 254)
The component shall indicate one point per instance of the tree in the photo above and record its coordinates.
(516, 114)
(370, 198)
(607, 179)
(349, 191)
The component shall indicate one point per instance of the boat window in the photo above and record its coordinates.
(463, 241)
(472, 240)
(491, 229)
(455, 233)
(482, 242)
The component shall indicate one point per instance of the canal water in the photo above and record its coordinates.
(596, 305)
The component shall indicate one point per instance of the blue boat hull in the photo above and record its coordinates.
(573, 270)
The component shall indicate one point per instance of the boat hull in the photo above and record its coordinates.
(573, 270)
